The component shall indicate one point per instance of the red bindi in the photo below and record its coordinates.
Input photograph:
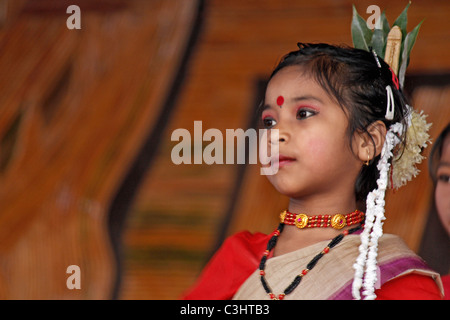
(280, 101)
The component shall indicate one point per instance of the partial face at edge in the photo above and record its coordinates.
(442, 193)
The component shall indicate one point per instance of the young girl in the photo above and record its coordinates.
(333, 108)
(439, 168)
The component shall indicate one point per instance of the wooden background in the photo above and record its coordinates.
(86, 117)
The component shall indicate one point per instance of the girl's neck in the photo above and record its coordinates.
(322, 206)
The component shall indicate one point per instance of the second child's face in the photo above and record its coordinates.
(442, 193)
(315, 157)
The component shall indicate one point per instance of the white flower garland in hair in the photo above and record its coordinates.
(373, 228)
(417, 138)
(403, 169)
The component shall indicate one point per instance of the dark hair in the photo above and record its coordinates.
(353, 79)
(436, 153)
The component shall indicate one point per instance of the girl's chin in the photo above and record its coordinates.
(291, 192)
(291, 186)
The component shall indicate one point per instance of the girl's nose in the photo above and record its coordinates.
(283, 135)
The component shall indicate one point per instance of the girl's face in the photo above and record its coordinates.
(442, 193)
(315, 159)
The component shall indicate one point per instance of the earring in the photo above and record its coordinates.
(368, 159)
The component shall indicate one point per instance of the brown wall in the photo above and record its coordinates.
(86, 118)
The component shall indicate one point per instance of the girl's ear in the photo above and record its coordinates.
(370, 143)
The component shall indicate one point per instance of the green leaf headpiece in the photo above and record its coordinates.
(394, 44)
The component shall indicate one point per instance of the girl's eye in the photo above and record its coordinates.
(444, 178)
(268, 122)
(305, 113)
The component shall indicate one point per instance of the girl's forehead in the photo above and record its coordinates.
(290, 74)
(446, 148)
(290, 82)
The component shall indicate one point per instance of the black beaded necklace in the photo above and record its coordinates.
(271, 244)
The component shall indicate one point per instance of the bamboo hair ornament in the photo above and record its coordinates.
(394, 46)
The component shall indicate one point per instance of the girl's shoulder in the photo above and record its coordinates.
(446, 284)
(404, 274)
(412, 286)
(247, 239)
(244, 249)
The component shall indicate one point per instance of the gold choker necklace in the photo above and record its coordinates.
(337, 221)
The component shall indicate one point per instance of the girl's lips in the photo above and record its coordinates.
(284, 160)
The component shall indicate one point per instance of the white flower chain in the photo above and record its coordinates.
(417, 138)
(403, 170)
(374, 222)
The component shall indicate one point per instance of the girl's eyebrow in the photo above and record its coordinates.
(307, 97)
(443, 164)
(265, 107)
